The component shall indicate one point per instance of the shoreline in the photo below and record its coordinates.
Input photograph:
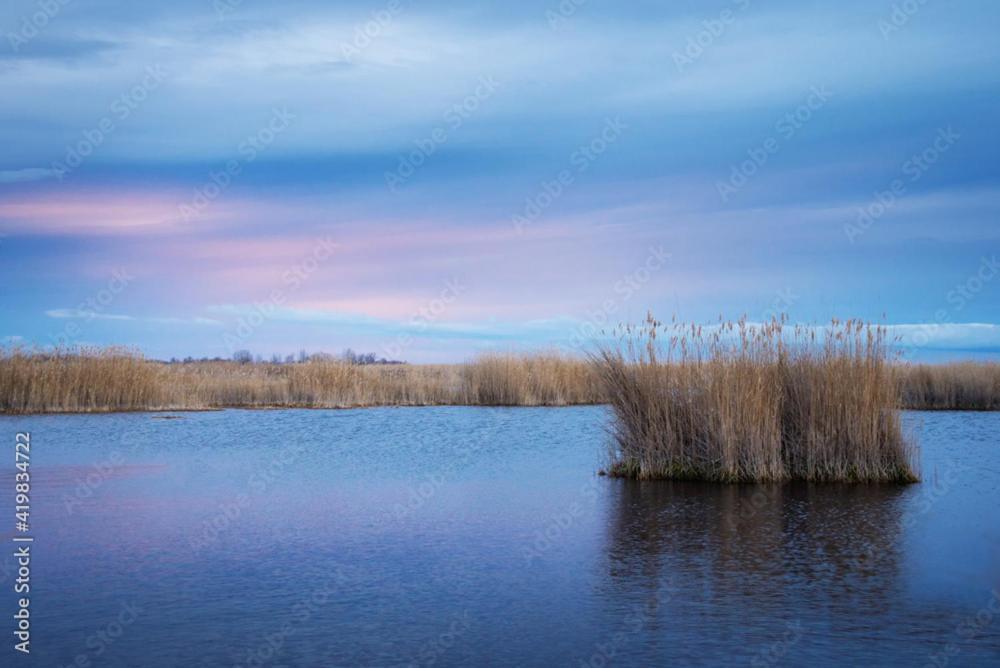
(280, 407)
(283, 407)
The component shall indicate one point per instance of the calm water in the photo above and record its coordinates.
(458, 536)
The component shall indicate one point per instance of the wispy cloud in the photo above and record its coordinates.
(80, 314)
(949, 336)
(98, 211)
(27, 174)
(75, 313)
(556, 331)
(184, 321)
(367, 324)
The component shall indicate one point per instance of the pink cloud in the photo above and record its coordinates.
(100, 212)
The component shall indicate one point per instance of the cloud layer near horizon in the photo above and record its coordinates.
(562, 164)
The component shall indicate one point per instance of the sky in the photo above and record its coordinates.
(428, 180)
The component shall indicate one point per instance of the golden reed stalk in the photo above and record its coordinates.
(118, 379)
(958, 386)
(738, 402)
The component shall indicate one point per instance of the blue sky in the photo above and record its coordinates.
(427, 181)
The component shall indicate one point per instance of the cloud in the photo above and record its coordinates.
(948, 336)
(579, 334)
(415, 67)
(96, 211)
(27, 174)
(184, 321)
(419, 324)
(70, 49)
(73, 313)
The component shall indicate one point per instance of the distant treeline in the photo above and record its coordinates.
(247, 357)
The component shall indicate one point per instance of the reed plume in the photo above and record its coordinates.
(741, 402)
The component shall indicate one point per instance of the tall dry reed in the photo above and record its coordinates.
(961, 386)
(79, 380)
(115, 379)
(737, 402)
(119, 379)
(541, 379)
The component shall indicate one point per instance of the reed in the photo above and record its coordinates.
(313, 384)
(958, 386)
(738, 402)
(118, 379)
(79, 380)
(541, 379)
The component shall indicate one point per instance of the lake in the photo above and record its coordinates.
(483, 536)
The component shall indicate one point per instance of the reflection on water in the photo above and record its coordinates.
(750, 564)
(758, 538)
(474, 536)
(818, 572)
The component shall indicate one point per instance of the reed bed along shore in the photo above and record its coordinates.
(116, 379)
(737, 402)
(958, 386)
